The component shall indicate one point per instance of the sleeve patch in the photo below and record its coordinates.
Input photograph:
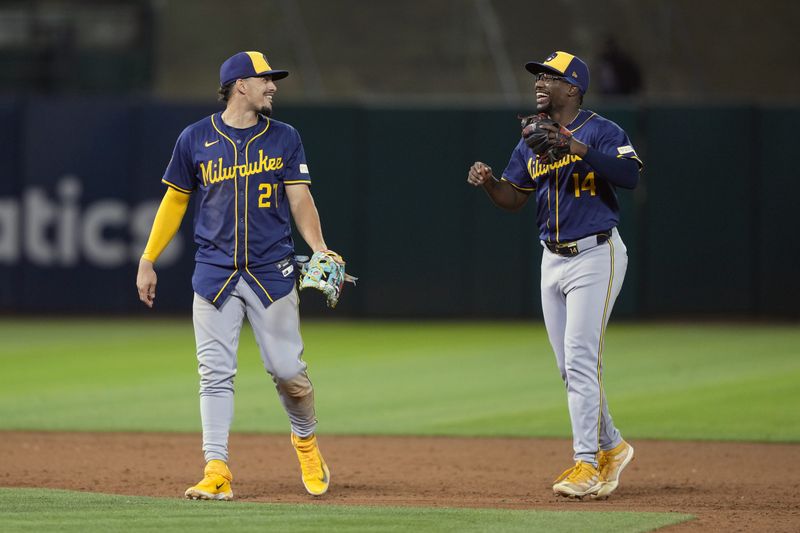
(303, 168)
(626, 150)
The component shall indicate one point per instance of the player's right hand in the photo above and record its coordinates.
(146, 280)
(479, 174)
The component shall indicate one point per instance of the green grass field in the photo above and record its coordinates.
(675, 381)
(38, 510)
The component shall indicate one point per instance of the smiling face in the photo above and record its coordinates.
(552, 92)
(259, 92)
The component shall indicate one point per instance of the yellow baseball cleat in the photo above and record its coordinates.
(580, 480)
(316, 476)
(216, 485)
(612, 463)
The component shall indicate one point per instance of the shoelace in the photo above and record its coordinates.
(580, 472)
(566, 473)
(583, 472)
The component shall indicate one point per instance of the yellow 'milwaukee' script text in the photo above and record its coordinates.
(214, 172)
(536, 168)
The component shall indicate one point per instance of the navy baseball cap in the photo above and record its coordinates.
(247, 65)
(563, 64)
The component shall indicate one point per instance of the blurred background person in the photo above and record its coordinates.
(617, 72)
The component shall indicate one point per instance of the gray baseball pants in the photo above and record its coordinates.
(277, 333)
(578, 294)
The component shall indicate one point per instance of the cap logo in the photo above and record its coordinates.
(551, 57)
(574, 74)
(259, 62)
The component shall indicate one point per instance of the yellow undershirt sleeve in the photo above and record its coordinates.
(168, 220)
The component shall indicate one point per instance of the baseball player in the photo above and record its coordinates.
(572, 160)
(248, 173)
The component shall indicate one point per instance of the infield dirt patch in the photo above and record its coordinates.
(728, 486)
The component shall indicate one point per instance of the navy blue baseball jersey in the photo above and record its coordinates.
(242, 218)
(572, 200)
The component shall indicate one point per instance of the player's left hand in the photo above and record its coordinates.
(146, 280)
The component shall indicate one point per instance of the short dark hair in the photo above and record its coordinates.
(224, 92)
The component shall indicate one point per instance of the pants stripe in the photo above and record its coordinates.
(600, 346)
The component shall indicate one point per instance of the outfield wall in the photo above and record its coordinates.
(708, 230)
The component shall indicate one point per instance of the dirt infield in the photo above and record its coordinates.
(728, 486)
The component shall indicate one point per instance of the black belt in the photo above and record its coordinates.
(570, 249)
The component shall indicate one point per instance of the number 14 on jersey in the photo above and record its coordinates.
(587, 184)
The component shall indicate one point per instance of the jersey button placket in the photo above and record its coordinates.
(241, 208)
(241, 201)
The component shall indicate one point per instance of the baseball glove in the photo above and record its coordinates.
(547, 138)
(325, 272)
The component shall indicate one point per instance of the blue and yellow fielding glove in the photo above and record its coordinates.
(325, 271)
